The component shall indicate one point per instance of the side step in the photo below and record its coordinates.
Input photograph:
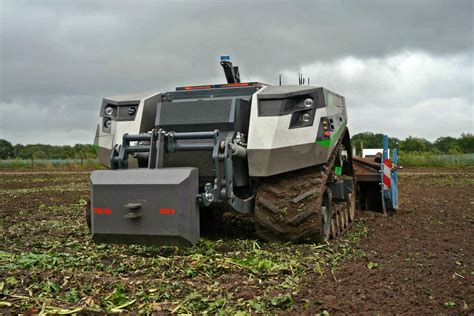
(145, 206)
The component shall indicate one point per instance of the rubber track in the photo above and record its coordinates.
(288, 206)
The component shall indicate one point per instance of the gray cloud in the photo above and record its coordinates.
(58, 58)
(408, 93)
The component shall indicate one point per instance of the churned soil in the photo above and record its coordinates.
(418, 260)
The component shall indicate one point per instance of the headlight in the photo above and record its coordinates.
(308, 102)
(109, 110)
(306, 117)
(107, 123)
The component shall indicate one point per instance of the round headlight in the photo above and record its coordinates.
(308, 102)
(306, 117)
(109, 110)
(108, 123)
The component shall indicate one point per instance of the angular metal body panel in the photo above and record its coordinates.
(150, 206)
(278, 142)
(121, 122)
(266, 162)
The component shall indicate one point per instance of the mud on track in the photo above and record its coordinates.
(419, 260)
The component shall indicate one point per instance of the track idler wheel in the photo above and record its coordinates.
(327, 210)
(346, 216)
(340, 218)
(352, 206)
(334, 229)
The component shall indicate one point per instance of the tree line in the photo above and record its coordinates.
(443, 145)
(41, 151)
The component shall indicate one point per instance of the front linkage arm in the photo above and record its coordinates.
(224, 149)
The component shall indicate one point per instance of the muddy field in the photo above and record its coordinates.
(419, 260)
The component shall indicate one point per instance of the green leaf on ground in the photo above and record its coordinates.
(372, 265)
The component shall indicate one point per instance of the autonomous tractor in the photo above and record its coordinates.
(281, 154)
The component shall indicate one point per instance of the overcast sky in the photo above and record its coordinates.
(405, 67)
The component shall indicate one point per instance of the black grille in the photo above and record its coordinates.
(196, 115)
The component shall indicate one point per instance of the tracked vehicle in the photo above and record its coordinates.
(281, 154)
